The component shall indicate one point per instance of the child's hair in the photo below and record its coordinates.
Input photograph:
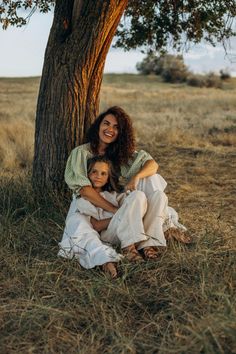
(112, 183)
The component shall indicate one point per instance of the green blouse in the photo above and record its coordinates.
(76, 167)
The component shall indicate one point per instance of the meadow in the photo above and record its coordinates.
(182, 303)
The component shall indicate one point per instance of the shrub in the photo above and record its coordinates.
(196, 80)
(170, 67)
(209, 80)
(173, 68)
(150, 65)
(212, 80)
(225, 74)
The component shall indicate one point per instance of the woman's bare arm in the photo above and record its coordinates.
(96, 199)
(149, 169)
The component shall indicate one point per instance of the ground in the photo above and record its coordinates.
(182, 303)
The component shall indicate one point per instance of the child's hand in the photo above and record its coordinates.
(99, 225)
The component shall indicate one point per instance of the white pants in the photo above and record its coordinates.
(149, 186)
(81, 241)
(139, 219)
(126, 226)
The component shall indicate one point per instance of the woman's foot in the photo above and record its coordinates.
(132, 254)
(150, 253)
(177, 235)
(110, 270)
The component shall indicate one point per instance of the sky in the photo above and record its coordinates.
(22, 53)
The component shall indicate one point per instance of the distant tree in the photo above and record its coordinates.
(151, 64)
(170, 67)
(174, 68)
(225, 74)
(79, 40)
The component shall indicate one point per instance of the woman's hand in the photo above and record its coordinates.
(149, 168)
(100, 225)
(132, 184)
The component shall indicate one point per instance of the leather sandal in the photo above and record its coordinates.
(132, 254)
(150, 253)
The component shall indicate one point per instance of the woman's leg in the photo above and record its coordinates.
(151, 184)
(81, 241)
(154, 219)
(153, 188)
(126, 226)
(156, 212)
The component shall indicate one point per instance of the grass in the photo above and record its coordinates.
(184, 302)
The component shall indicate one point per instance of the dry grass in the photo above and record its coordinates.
(184, 302)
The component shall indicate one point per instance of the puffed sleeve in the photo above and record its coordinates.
(136, 163)
(76, 169)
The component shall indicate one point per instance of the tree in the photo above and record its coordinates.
(80, 37)
(151, 64)
(170, 67)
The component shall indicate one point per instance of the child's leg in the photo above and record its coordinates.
(81, 241)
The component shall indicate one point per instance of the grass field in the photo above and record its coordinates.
(182, 303)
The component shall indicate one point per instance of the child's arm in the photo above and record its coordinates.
(100, 225)
(87, 208)
(96, 199)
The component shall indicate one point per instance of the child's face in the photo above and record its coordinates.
(99, 174)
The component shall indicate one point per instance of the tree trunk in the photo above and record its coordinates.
(68, 99)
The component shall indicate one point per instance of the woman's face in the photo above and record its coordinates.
(108, 129)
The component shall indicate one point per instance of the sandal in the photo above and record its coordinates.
(110, 270)
(132, 254)
(177, 235)
(150, 253)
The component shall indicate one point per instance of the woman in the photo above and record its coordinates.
(112, 135)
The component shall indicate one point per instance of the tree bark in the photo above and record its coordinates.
(68, 100)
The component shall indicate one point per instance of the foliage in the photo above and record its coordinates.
(213, 80)
(158, 24)
(151, 64)
(17, 13)
(208, 80)
(196, 80)
(155, 24)
(225, 74)
(173, 68)
(170, 67)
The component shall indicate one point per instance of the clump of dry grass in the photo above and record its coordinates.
(182, 303)
(16, 144)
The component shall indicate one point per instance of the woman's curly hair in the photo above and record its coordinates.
(122, 149)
